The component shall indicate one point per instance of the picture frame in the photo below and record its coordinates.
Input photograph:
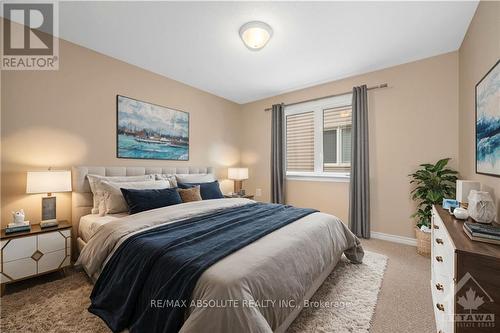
(150, 131)
(487, 120)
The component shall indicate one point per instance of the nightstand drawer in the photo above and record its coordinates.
(53, 260)
(18, 269)
(18, 248)
(51, 241)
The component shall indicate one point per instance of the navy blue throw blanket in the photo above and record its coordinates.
(165, 263)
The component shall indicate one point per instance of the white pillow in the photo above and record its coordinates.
(114, 202)
(169, 178)
(94, 179)
(195, 178)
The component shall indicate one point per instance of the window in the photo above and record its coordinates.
(318, 139)
(337, 139)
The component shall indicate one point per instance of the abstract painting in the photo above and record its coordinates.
(488, 123)
(150, 131)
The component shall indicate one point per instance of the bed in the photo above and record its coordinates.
(89, 224)
(82, 199)
(270, 277)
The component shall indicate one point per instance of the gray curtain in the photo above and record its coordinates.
(277, 155)
(359, 204)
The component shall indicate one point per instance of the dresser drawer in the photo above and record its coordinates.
(443, 261)
(437, 223)
(443, 303)
(442, 284)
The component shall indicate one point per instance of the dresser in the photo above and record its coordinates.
(465, 278)
(35, 252)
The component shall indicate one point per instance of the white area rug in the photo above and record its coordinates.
(352, 290)
(61, 306)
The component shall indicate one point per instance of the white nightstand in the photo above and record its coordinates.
(39, 251)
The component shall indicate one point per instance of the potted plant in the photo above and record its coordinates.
(433, 182)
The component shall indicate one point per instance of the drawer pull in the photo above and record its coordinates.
(436, 226)
(439, 241)
(440, 307)
(439, 286)
(439, 258)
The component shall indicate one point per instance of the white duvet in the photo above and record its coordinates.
(259, 288)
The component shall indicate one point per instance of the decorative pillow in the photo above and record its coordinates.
(113, 198)
(169, 178)
(195, 178)
(207, 190)
(142, 200)
(98, 198)
(190, 194)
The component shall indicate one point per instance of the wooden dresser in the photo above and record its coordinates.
(465, 278)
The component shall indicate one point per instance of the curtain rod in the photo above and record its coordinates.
(383, 85)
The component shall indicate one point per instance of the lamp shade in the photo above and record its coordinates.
(464, 187)
(237, 173)
(48, 181)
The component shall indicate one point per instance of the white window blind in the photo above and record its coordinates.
(300, 141)
(337, 117)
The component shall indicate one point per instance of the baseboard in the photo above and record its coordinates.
(394, 238)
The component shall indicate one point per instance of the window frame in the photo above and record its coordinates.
(318, 107)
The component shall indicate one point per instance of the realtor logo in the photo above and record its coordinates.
(472, 300)
(28, 36)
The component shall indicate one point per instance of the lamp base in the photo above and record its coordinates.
(48, 223)
(48, 208)
(237, 186)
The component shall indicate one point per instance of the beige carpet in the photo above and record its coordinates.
(405, 303)
(61, 306)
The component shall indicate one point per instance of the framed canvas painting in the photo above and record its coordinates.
(488, 123)
(150, 131)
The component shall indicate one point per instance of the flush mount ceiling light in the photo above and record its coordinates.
(255, 34)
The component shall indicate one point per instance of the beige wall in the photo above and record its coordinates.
(68, 117)
(480, 50)
(413, 121)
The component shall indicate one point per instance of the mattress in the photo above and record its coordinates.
(90, 223)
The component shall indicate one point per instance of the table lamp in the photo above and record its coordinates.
(48, 182)
(238, 175)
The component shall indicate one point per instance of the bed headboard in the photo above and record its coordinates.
(82, 200)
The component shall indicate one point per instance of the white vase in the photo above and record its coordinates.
(481, 207)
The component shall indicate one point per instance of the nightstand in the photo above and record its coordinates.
(32, 253)
(246, 196)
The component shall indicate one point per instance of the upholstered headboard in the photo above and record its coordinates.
(82, 200)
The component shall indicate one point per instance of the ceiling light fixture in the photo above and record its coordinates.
(255, 34)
